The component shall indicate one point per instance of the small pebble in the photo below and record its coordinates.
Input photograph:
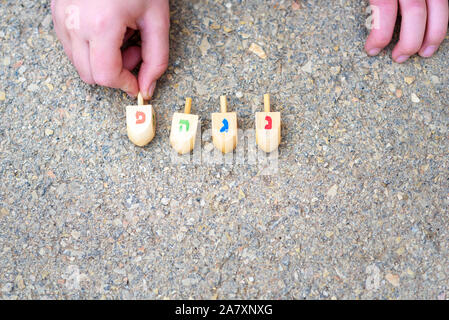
(335, 70)
(204, 46)
(49, 132)
(33, 87)
(2, 96)
(332, 192)
(307, 67)
(257, 50)
(47, 20)
(22, 69)
(4, 212)
(393, 279)
(19, 282)
(435, 79)
(409, 80)
(415, 98)
(76, 234)
(295, 6)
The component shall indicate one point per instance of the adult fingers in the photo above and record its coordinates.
(155, 46)
(384, 14)
(413, 27)
(81, 60)
(437, 21)
(106, 59)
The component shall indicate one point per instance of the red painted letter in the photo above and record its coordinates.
(140, 117)
(270, 123)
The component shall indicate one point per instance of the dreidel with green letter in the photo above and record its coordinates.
(183, 129)
(224, 128)
(268, 128)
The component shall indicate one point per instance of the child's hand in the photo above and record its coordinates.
(423, 28)
(92, 33)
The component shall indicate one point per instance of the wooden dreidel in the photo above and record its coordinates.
(140, 123)
(268, 128)
(183, 130)
(224, 128)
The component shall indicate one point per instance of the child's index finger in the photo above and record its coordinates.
(107, 61)
(154, 29)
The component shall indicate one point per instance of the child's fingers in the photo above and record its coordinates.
(61, 32)
(384, 13)
(107, 63)
(155, 46)
(437, 21)
(81, 60)
(129, 33)
(131, 57)
(413, 27)
(67, 45)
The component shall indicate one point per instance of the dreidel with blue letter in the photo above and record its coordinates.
(224, 128)
(140, 122)
(268, 128)
(183, 130)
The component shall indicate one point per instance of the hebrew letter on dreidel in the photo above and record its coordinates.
(183, 123)
(140, 117)
(225, 127)
(269, 125)
(183, 130)
(140, 130)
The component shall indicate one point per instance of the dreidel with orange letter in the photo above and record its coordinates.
(268, 128)
(140, 122)
(183, 129)
(224, 128)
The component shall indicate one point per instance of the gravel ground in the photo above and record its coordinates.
(358, 206)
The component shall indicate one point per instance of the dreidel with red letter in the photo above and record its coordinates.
(183, 129)
(224, 128)
(140, 123)
(268, 128)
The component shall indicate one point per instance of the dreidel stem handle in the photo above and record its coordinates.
(140, 100)
(223, 104)
(188, 106)
(266, 101)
